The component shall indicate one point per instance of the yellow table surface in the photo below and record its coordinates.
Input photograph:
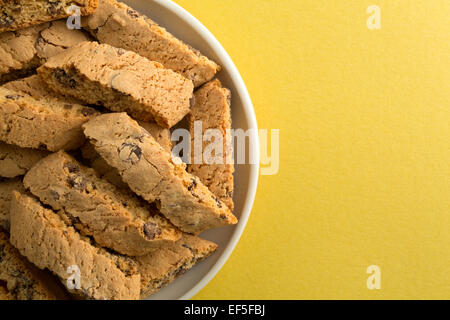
(364, 119)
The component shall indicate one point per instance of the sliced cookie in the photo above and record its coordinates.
(18, 14)
(152, 173)
(22, 51)
(20, 280)
(117, 24)
(16, 161)
(37, 89)
(121, 81)
(212, 112)
(49, 241)
(161, 267)
(95, 161)
(114, 218)
(6, 189)
(38, 124)
(104, 170)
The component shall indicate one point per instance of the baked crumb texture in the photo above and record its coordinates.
(117, 24)
(212, 108)
(120, 80)
(20, 280)
(49, 242)
(88, 183)
(41, 124)
(22, 51)
(18, 14)
(6, 189)
(115, 218)
(163, 266)
(153, 174)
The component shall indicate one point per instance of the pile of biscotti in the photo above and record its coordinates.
(89, 187)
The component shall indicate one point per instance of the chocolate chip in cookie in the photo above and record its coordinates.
(6, 20)
(87, 111)
(151, 230)
(78, 182)
(53, 7)
(54, 195)
(130, 152)
(13, 96)
(133, 13)
(62, 77)
(192, 185)
(72, 167)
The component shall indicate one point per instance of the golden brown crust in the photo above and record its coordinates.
(23, 281)
(48, 242)
(19, 14)
(151, 173)
(16, 161)
(95, 161)
(39, 124)
(6, 189)
(22, 51)
(163, 266)
(115, 218)
(121, 81)
(213, 109)
(117, 24)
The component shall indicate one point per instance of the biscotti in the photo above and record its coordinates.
(163, 266)
(38, 124)
(121, 81)
(95, 161)
(212, 112)
(16, 161)
(21, 52)
(18, 14)
(92, 159)
(114, 218)
(161, 135)
(37, 89)
(50, 242)
(151, 173)
(6, 189)
(20, 280)
(117, 24)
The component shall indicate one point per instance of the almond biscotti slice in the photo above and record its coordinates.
(92, 159)
(95, 161)
(161, 267)
(121, 81)
(37, 89)
(38, 124)
(16, 161)
(18, 14)
(6, 189)
(114, 218)
(117, 24)
(150, 172)
(20, 280)
(212, 111)
(22, 51)
(49, 241)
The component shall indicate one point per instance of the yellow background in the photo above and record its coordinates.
(365, 147)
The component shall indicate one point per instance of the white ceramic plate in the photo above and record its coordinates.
(184, 26)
